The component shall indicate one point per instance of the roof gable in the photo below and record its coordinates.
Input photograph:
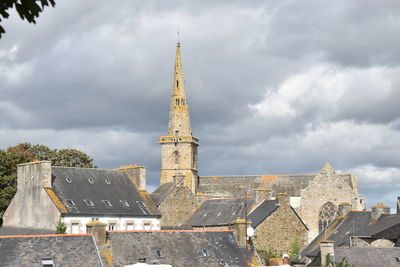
(262, 211)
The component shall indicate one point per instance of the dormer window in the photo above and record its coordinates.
(69, 180)
(89, 203)
(70, 203)
(91, 180)
(107, 203)
(107, 181)
(47, 263)
(143, 207)
(124, 203)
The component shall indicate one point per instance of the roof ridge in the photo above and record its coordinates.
(88, 168)
(157, 231)
(50, 235)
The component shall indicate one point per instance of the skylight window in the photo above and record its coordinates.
(91, 180)
(143, 207)
(124, 203)
(88, 203)
(204, 253)
(70, 203)
(158, 252)
(69, 180)
(107, 203)
(47, 263)
(108, 181)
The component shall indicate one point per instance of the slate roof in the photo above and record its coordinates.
(338, 231)
(64, 250)
(178, 248)
(262, 211)
(235, 185)
(8, 230)
(387, 226)
(161, 193)
(99, 186)
(220, 211)
(368, 256)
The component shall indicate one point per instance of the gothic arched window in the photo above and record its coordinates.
(176, 157)
(327, 214)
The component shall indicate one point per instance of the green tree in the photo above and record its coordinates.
(294, 248)
(61, 228)
(27, 9)
(26, 152)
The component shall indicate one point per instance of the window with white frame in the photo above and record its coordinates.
(75, 228)
(47, 263)
(147, 226)
(130, 226)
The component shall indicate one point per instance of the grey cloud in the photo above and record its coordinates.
(106, 67)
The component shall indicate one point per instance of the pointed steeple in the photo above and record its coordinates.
(179, 118)
(179, 147)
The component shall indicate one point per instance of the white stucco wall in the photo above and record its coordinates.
(120, 223)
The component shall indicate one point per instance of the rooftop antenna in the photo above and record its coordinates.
(178, 34)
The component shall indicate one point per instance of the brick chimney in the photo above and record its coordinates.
(241, 230)
(283, 199)
(378, 210)
(98, 230)
(344, 209)
(137, 174)
(327, 251)
(262, 194)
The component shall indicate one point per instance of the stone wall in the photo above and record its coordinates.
(280, 230)
(177, 206)
(328, 186)
(31, 206)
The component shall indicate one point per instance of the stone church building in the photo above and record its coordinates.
(314, 197)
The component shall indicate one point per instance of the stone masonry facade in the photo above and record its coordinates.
(281, 229)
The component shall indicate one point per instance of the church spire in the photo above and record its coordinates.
(179, 118)
(179, 147)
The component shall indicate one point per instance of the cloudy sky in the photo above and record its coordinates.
(275, 87)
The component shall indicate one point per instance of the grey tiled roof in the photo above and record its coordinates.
(161, 193)
(368, 256)
(387, 226)
(220, 211)
(241, 184)
(63, 250)
(338, 231)
(104, 185)
(7, 230)
(178, 248)
(262, 211)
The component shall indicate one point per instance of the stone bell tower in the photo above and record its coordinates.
(179, 147)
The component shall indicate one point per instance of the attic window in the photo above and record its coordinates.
(107, 203)
(108, 181)
(124, 203)
(143, 207)
(91, 180)
(47, 263)
(88, 203)
(204, 253)
(158, 252)
(70, 203)
(69, 180)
